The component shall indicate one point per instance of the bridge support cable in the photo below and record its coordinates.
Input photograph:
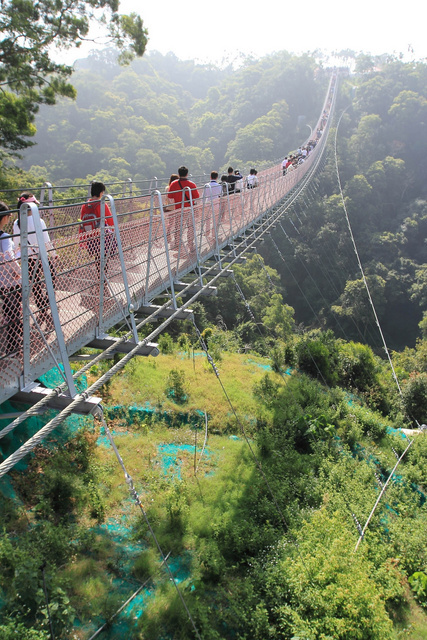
(254, 232)
(135, 496)
(300, 289)
(251, 449)
(35, 440)
(380, 495)
(365, 282)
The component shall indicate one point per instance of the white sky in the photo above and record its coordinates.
(210, 32)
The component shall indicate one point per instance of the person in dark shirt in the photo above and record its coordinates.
(232, 179)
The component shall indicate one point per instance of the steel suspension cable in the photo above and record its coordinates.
(248, 442)
(275, 213)
(362, 533)
(359, 261)
(137, 500)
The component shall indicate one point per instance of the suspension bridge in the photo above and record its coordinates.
(151, 251)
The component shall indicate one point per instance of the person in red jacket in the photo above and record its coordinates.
(90, 216)
(179, 192)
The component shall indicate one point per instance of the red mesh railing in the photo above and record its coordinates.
(88, 296)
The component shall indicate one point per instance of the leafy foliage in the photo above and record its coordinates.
(29, 76)
(160, 112)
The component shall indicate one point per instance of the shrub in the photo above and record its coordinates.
(176, 387)
(321, 589)
(165, 343)
(418, 582)
(317, 357)
(277, 358)
(266, 390)
(372, 423)
(357, 366)
(415, 398)
(146, 565)
(12, 630)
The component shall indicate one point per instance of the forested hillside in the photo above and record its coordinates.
(149, 118)
(381, 145)
(259, 522)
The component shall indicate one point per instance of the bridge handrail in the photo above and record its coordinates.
(99, 279)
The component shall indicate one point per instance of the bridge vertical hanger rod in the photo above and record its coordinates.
(26, 288)
(101, 274)
(206, 211)
(207, 193)
(151, 189)
(48, 186)
(149, 248)
(43, 257)
(122, 265)
(193, 220)
(165, 238)
(230, 220)
(215, 223)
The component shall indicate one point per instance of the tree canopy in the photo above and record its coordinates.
(29, 74)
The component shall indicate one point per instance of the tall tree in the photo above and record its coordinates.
(29, 75)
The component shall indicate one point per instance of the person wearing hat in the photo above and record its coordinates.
(35, 269)
(10, 288)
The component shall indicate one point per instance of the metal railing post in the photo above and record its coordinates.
(168, 261)
(122, 263)
(44, 259)
(26, 377)
(150, 236)
(130, 186)
(193, 218)
(100, 328)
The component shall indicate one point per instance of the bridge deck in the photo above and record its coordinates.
(155, 246)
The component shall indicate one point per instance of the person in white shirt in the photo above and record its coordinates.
(212, 191)
(239, 184)
(252, 180)
(284, 163)
(35, 269)
(10, 288)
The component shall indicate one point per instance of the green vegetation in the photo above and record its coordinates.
(305, 435)
(160, 112)
(266, 560)
(29, 75)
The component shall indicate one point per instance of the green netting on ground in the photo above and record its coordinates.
(140, 413)
(10, 443)
(171, 461)
(123, 585)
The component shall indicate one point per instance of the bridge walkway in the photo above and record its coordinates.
(149, 250)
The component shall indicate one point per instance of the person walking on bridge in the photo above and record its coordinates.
(179, 192)
(211, 193)
(10, 289)
(90, 233)
(35, 268)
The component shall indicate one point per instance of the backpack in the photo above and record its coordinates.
(89, 222)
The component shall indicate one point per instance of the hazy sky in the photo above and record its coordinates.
(198, 30)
